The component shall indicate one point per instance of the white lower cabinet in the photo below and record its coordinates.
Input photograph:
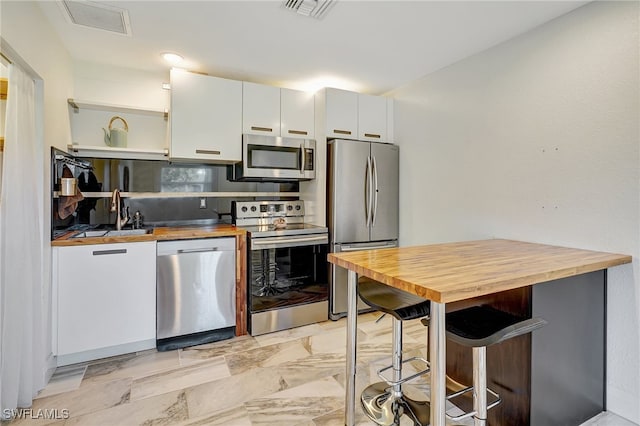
(106, 300)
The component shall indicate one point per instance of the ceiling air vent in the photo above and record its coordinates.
(97, 15)
(313, 8)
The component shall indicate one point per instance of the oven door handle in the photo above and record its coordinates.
(278, 242)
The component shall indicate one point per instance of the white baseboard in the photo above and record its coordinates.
(75, 358)
(623, 404)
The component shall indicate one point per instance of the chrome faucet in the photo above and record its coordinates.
(115, 207)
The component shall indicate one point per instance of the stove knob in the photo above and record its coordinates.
(289, 207)
(298, 207)
(244, 209)
(253, 208)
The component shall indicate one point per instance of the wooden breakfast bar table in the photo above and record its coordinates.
(450, 272)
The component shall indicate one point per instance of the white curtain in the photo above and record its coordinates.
(22, 284)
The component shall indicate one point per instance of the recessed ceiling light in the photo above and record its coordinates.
(172, 58)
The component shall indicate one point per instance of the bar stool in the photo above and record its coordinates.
(478, 327)
(385, 402)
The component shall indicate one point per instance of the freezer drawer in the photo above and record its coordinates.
(196, 286)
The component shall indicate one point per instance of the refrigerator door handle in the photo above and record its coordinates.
(375, 193)
(367, 191)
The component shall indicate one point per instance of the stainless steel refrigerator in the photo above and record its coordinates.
(362, 206)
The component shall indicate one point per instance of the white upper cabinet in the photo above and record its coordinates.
(260, 109)
(206, 118)
(342, 114)
(297, 113)
(352, 115)
(372, 118)
(268, 110)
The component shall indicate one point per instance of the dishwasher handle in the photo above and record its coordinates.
(203, 245)
(198, 250)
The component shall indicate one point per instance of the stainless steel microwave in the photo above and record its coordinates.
(274, 158)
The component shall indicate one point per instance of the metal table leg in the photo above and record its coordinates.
(352, 322)
(437, 351)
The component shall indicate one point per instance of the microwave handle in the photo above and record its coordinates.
(302, 162)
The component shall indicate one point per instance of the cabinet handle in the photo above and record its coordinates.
(342, 132)
(298, 132)
(207, 151)
(115, 251)
(371, 135)
(262, 129)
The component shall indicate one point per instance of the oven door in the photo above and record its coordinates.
(277, 158)
(287, 271)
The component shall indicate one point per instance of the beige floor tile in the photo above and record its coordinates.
(166, 409)
(297, 405)
(235, 416)
(311, 368)
(217, 396)
(267, 356)
(294, 377)
(212, 350)
(180, 378)
(133, 366)
(288, 335)
(293, 412)
(88, 399)
(64, 379)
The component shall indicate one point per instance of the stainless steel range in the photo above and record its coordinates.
(287, 265)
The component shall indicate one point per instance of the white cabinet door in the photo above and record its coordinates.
(372, 118)
(297, 113)
(260, 109)
(206, 118)
(106, 295)
(342, 114)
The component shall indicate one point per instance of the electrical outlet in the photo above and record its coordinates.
(203, 203)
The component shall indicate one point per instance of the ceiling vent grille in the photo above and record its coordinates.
(313, 8)
(98, 16)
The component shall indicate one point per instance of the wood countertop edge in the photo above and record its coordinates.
(158, 234)
(492, 285)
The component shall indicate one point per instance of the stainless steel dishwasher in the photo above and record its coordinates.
(196, 295)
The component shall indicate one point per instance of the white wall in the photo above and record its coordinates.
(28, 33)
(538, 139)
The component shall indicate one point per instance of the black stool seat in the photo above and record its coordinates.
(400, 304)
(484, 326)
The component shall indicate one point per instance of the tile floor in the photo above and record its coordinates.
(294, 377)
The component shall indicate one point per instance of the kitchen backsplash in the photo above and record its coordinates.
(105, 175)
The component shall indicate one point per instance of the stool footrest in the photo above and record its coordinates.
(391, 382)
(471, 413)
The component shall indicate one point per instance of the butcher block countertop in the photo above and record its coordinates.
(158, 234)
(451, 272)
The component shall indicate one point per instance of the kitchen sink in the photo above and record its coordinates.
(124, 232)
(114, 233)
(90, 234)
